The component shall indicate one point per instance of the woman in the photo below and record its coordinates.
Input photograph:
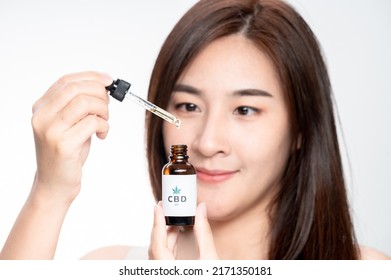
(281, 128)
(248, 81)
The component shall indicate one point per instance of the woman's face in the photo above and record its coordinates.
(236, 125)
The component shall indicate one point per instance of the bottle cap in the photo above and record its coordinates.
(118, 89)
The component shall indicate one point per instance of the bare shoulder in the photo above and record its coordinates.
(372, 254)
(108, 253)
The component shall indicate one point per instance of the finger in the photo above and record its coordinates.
(51, 125)
(85, 128)
(80, 107)
(69, 91)
(76, 141)
(204, 236)
(71, 79)
(99, 77)
(158, 246)
(63, 112)
(70, 148)
(172, 239)
(172, 234)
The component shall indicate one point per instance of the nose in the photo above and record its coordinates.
(213, 136)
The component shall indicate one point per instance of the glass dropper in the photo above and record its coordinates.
(119, 88)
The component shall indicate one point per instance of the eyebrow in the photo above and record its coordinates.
(252, 92)
(186, 88)
(241, 92)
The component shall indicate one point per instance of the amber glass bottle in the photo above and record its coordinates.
(179, 183)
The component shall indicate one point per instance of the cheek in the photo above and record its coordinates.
(266, 148)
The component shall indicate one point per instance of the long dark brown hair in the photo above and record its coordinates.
(310, 214)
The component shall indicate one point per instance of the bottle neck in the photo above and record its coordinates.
(178, 153)
(178, 158)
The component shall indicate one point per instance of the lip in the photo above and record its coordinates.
(214, 176)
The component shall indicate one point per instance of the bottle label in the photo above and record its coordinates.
(179, 195)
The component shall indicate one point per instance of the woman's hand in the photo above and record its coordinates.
(64, 119)
(164, 239)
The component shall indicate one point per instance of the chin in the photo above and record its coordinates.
(215, 218)
(217, 211)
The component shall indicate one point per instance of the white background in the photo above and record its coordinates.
(42, 40)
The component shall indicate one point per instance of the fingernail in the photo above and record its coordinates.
(158, 207)
(108, 80)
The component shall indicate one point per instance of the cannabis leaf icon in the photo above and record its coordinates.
(176, 190)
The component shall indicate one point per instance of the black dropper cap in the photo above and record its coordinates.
(118, 89)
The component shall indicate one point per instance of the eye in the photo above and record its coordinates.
(246, 111)
(188, 107)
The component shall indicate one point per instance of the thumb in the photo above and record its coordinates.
(203, 235)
